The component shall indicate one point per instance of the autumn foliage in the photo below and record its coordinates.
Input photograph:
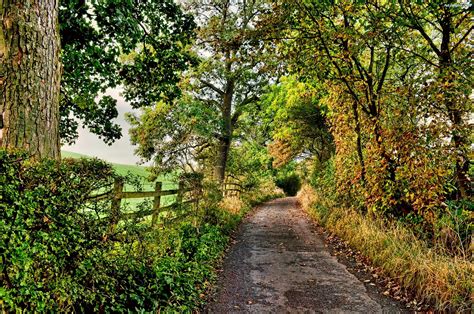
(398, 111)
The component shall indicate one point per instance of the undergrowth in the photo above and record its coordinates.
(433, 276)
(58, 253)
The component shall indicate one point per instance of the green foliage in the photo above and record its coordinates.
(398, 110)
(59, 254)
(296, 117)
(289, 182)
(172, 134)
(216, 94)
(106, 44)
(49, 237)
(455, 226)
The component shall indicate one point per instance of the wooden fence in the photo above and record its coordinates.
(232, 188)
(117, 194)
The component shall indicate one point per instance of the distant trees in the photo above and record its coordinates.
(297, 120)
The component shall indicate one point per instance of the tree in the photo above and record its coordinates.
(344, 46)
(232, 79)
(227, 81)
(444, 28)
(297, 120)
(134, 45)
(392, 103)
(30, 77)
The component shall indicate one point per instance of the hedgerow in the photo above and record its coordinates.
(58, 253)
(435, 264)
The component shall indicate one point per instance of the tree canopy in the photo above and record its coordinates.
(229, 78)
(134, 45)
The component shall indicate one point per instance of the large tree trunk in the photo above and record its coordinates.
(30, 75)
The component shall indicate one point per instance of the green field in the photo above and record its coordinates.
(135, 170)
(121, 169)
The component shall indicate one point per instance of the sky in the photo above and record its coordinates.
(122, 151)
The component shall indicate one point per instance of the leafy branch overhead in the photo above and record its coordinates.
(137, 46)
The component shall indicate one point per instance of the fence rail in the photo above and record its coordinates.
(117, 194)
(233, 188)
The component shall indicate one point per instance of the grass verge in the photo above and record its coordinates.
(440, 279)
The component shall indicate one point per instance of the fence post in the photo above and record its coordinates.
(179, 196)
(226, 188)
(156, 203)
(116, 201)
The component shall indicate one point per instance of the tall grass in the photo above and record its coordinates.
(439, 278)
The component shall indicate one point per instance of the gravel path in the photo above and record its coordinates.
(279, 264)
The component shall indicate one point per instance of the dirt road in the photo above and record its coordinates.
(279, 264)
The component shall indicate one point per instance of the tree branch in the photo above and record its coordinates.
(462, 39)
(384, 72)
(417, 26)
(212, 86)
(240, 107)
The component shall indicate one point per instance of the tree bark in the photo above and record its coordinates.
(30, 73)
(220, 168)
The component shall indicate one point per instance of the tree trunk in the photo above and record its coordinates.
(30, 73)
(223, 155)
(455, 112)
(462, 159)
(225, 139)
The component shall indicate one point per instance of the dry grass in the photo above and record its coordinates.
(232, 204)
(444, 280)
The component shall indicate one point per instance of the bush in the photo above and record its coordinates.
(49, 238)
(290, 183)
(59, 254)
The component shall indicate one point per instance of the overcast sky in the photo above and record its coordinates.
(120, 152)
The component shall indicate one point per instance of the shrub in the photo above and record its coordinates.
(56, 258)
(232, 204)
(48, 237)
(290, 183)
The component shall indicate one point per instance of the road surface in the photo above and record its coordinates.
(279, 264)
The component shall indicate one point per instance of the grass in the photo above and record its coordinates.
(434, 277)
(121, 169)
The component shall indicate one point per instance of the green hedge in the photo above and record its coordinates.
(56, 256)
